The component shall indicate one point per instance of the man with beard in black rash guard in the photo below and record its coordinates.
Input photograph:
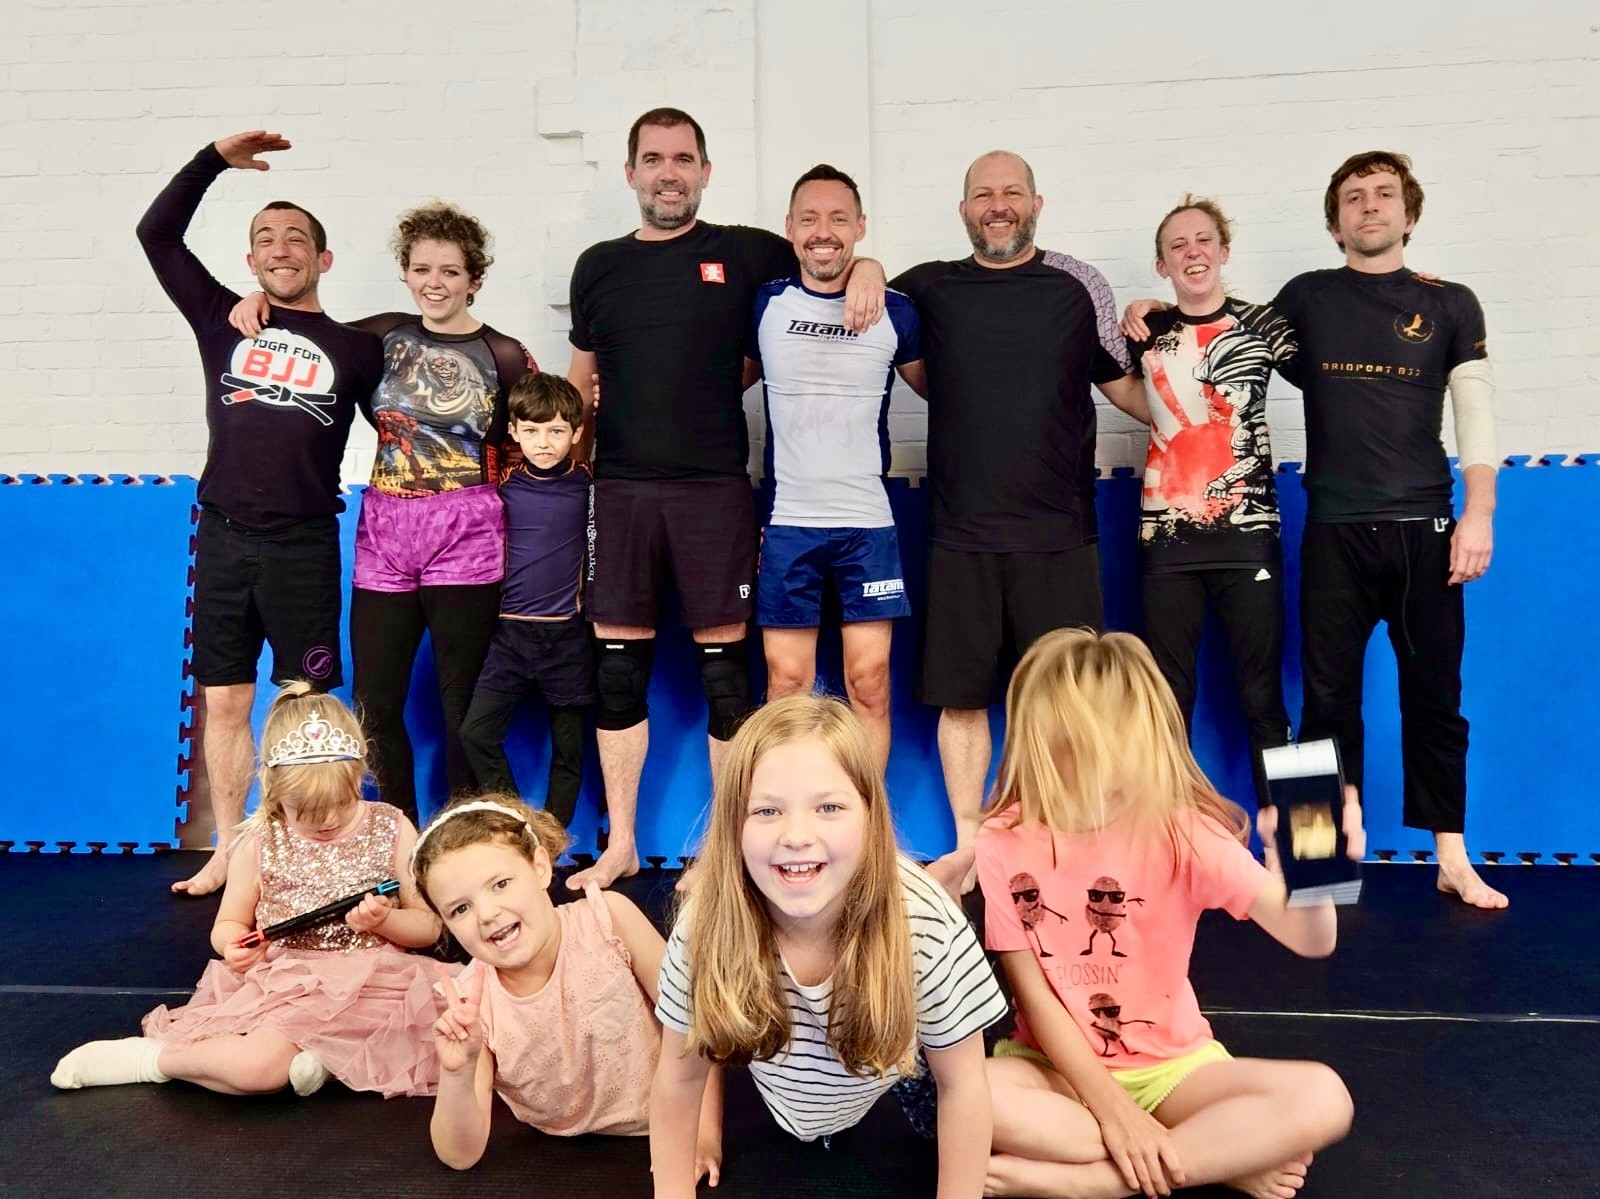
(1013, 337)
(278, 410)
(660, 316)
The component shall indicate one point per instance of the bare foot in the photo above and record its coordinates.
(955, 871)
(208, 878)
(1459, 878)
(1278, 1182)
(618, 861)
(685, 881)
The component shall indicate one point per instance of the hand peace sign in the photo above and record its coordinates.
(457, 1034)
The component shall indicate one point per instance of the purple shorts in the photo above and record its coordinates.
(452, 539)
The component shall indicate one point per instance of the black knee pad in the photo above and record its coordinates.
(725, 678)
(624, 682)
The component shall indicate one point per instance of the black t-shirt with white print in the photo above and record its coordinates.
(1011, 354)
(1375, 354)
(278, 405)
(1209, 499)
(667, 322)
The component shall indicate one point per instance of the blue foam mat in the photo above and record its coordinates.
(97, 610)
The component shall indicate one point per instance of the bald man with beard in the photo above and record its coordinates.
(1013, 338)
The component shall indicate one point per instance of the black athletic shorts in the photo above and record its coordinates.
(280, 587)
(553, 658)
(985, 610)
(700, 534)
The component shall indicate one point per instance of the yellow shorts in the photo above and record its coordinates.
(1146, 1085)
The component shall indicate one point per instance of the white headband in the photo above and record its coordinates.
(449, 814)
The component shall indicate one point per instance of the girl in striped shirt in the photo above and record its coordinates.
(812, 951)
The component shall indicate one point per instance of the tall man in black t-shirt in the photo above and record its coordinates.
(1013, 337)
(660, 316)
(1379, 345)
(278, 410)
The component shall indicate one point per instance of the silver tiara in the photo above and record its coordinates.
(315, 740)
(477, 805)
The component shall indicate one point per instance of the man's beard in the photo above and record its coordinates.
(658, 218)
(1021, 238)
(828, 272)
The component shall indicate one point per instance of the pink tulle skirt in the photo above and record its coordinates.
(367, 1015)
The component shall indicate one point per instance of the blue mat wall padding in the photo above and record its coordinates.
(96, 607)
(93, 660)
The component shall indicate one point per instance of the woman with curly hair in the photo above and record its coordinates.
(430, 542)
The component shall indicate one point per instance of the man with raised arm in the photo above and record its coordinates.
(278, 410)
(660, 316)
(1013, 337)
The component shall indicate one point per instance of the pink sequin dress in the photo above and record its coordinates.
(364, 1007)
(579, 1054)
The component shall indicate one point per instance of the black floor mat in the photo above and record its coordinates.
(1473, 1100)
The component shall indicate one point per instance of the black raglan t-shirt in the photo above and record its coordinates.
(278, 405)
(1011, 422)
(667, 321)
(1209, 500)
(1375, 354)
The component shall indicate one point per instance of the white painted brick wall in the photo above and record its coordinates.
(519, 112)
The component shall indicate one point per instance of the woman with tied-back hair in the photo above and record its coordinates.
(1209, 530)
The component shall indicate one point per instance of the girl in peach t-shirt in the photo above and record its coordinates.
(556, 1012)
(1103, 844)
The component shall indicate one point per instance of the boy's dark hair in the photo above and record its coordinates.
(319, 235)
(827, 174)
(1365, 164)
(539, 396)
(666, 118)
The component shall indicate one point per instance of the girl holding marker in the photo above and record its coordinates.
(339, 998)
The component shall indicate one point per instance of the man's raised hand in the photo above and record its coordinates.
(240, 150)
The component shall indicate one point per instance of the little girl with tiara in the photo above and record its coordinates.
(339, 998)
(1103, 844)
(554, 1013)
(812, 951)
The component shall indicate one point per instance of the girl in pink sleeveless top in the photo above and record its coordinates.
(339, 998)
(556, 1013)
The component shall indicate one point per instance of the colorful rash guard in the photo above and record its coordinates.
(441, 407)
(278, 405)
(1376, 353)
(1209, 499)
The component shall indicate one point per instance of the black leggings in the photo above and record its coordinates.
(1251, 610)
(483, 735)
(386, 628)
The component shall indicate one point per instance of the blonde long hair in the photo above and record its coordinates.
(1093, 731)
(317, 790)
(740, 1012)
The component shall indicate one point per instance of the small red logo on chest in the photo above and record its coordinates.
(712, 272)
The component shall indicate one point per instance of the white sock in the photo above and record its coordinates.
(306, 1074)
(109, 1063)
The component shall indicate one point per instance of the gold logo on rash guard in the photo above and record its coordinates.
(1415, 328)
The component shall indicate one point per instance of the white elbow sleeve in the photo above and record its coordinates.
(1472, 397)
